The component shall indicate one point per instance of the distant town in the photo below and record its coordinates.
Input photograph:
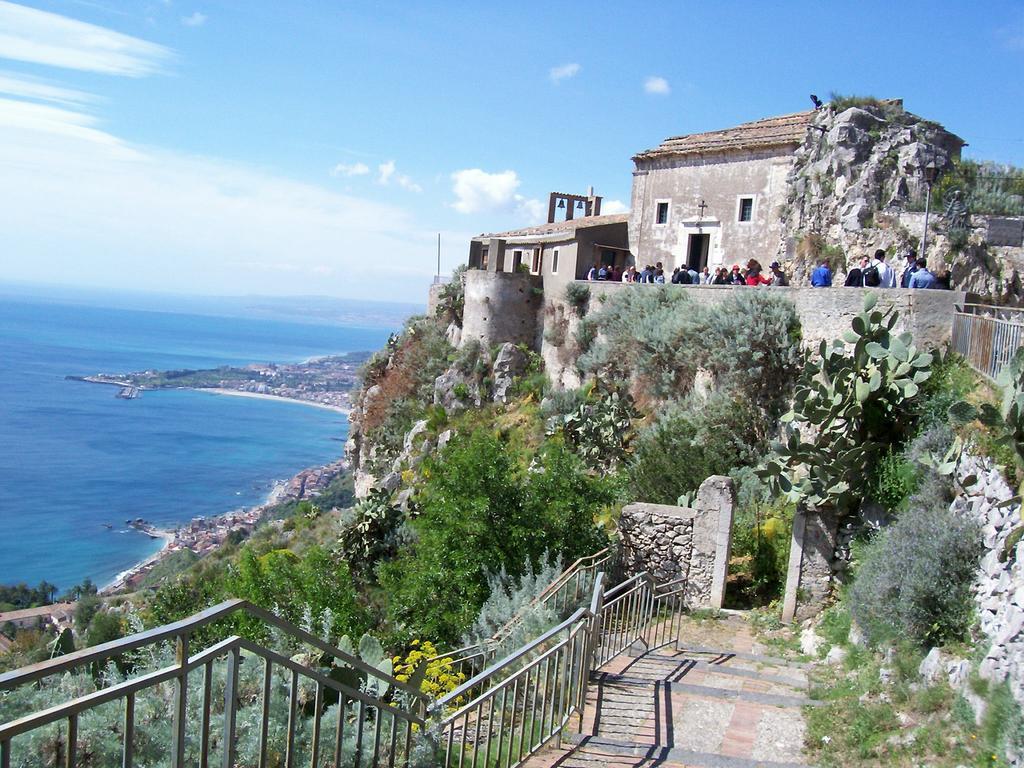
(324, 381)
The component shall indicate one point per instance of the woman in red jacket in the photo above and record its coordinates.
(754, 276)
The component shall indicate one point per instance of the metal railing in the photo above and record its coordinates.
(561, 595)
(526, 700)
(987, 337)
(344, 720)
(239, 702)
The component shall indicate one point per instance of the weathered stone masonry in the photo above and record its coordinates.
(679, 542)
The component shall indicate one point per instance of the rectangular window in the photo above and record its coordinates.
(746, 209)
(538, 260)
(517, 260)
(483, 258)
(554, 262)
(662, 215)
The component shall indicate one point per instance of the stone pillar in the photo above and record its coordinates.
(495, 255)
(812, 550)
(672, 542)
(712, 531)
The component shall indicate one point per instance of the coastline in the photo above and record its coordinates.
(119, 579)
(201, 535)
(263, 396)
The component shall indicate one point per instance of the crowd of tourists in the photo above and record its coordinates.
(877, 273)
(869, 273)
(753, 274)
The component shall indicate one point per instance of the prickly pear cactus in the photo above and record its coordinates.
(851, 395)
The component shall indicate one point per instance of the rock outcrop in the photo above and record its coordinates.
(854, 175)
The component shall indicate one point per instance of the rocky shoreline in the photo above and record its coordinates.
(203, 535)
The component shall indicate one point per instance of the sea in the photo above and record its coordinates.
(76, 463)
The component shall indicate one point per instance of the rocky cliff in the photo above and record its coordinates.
(858, 184)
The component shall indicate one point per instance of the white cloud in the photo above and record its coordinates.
(43, 119)
(39, 37)
(355, 169)
(477, 191)
(564, 72)
(658, 85)
(25, 87)
(613, 206)
(196, 19)
(84, 207)
(386, 172)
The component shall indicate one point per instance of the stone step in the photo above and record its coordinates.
(597, 750)
(675, 668)
(769, 699)
(723, 655)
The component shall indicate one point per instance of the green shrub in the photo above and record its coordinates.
(657, 339)
(752, 348)
(896, 478)
(577, 295)
(600, 430)
(481, 511)
(760, 553)
(372, 534)
(915, 579)
(690, 441)
(451, 299)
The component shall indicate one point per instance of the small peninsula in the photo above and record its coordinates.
(321, 381)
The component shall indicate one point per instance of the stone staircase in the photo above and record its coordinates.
(728, 705)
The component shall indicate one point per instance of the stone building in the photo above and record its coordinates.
(708, 199)
(558, 251)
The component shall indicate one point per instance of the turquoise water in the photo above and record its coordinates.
(74, 459)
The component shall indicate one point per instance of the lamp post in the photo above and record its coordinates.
(930, 172)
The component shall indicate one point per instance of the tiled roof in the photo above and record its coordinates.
(769, 132)
(41, 611)
(561, 227)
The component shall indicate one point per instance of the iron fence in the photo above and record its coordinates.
(561, 595)
(239, 702)
(987, 337)
(523, 702)
(342, 723)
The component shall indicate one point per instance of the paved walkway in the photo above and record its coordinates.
(719, 702)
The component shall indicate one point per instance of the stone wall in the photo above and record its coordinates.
(500, 307)
(826, 312)
(434, 297)
(679, 542)
(999, 589)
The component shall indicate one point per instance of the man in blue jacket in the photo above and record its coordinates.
(821, 277)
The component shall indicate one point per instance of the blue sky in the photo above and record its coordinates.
(215, 147)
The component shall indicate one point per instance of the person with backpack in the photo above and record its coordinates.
(879, 274)
(855, 277)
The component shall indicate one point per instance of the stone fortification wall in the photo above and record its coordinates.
(434, 298)
(679, 542)
(826, 312)
(502, 307)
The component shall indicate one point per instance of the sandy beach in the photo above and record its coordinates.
(259, 396)
(118, 581)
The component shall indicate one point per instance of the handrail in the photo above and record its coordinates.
(507, 711)
(187, 626)
(105, 695)
(487, 648)
(525, 700)
(509, 660)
